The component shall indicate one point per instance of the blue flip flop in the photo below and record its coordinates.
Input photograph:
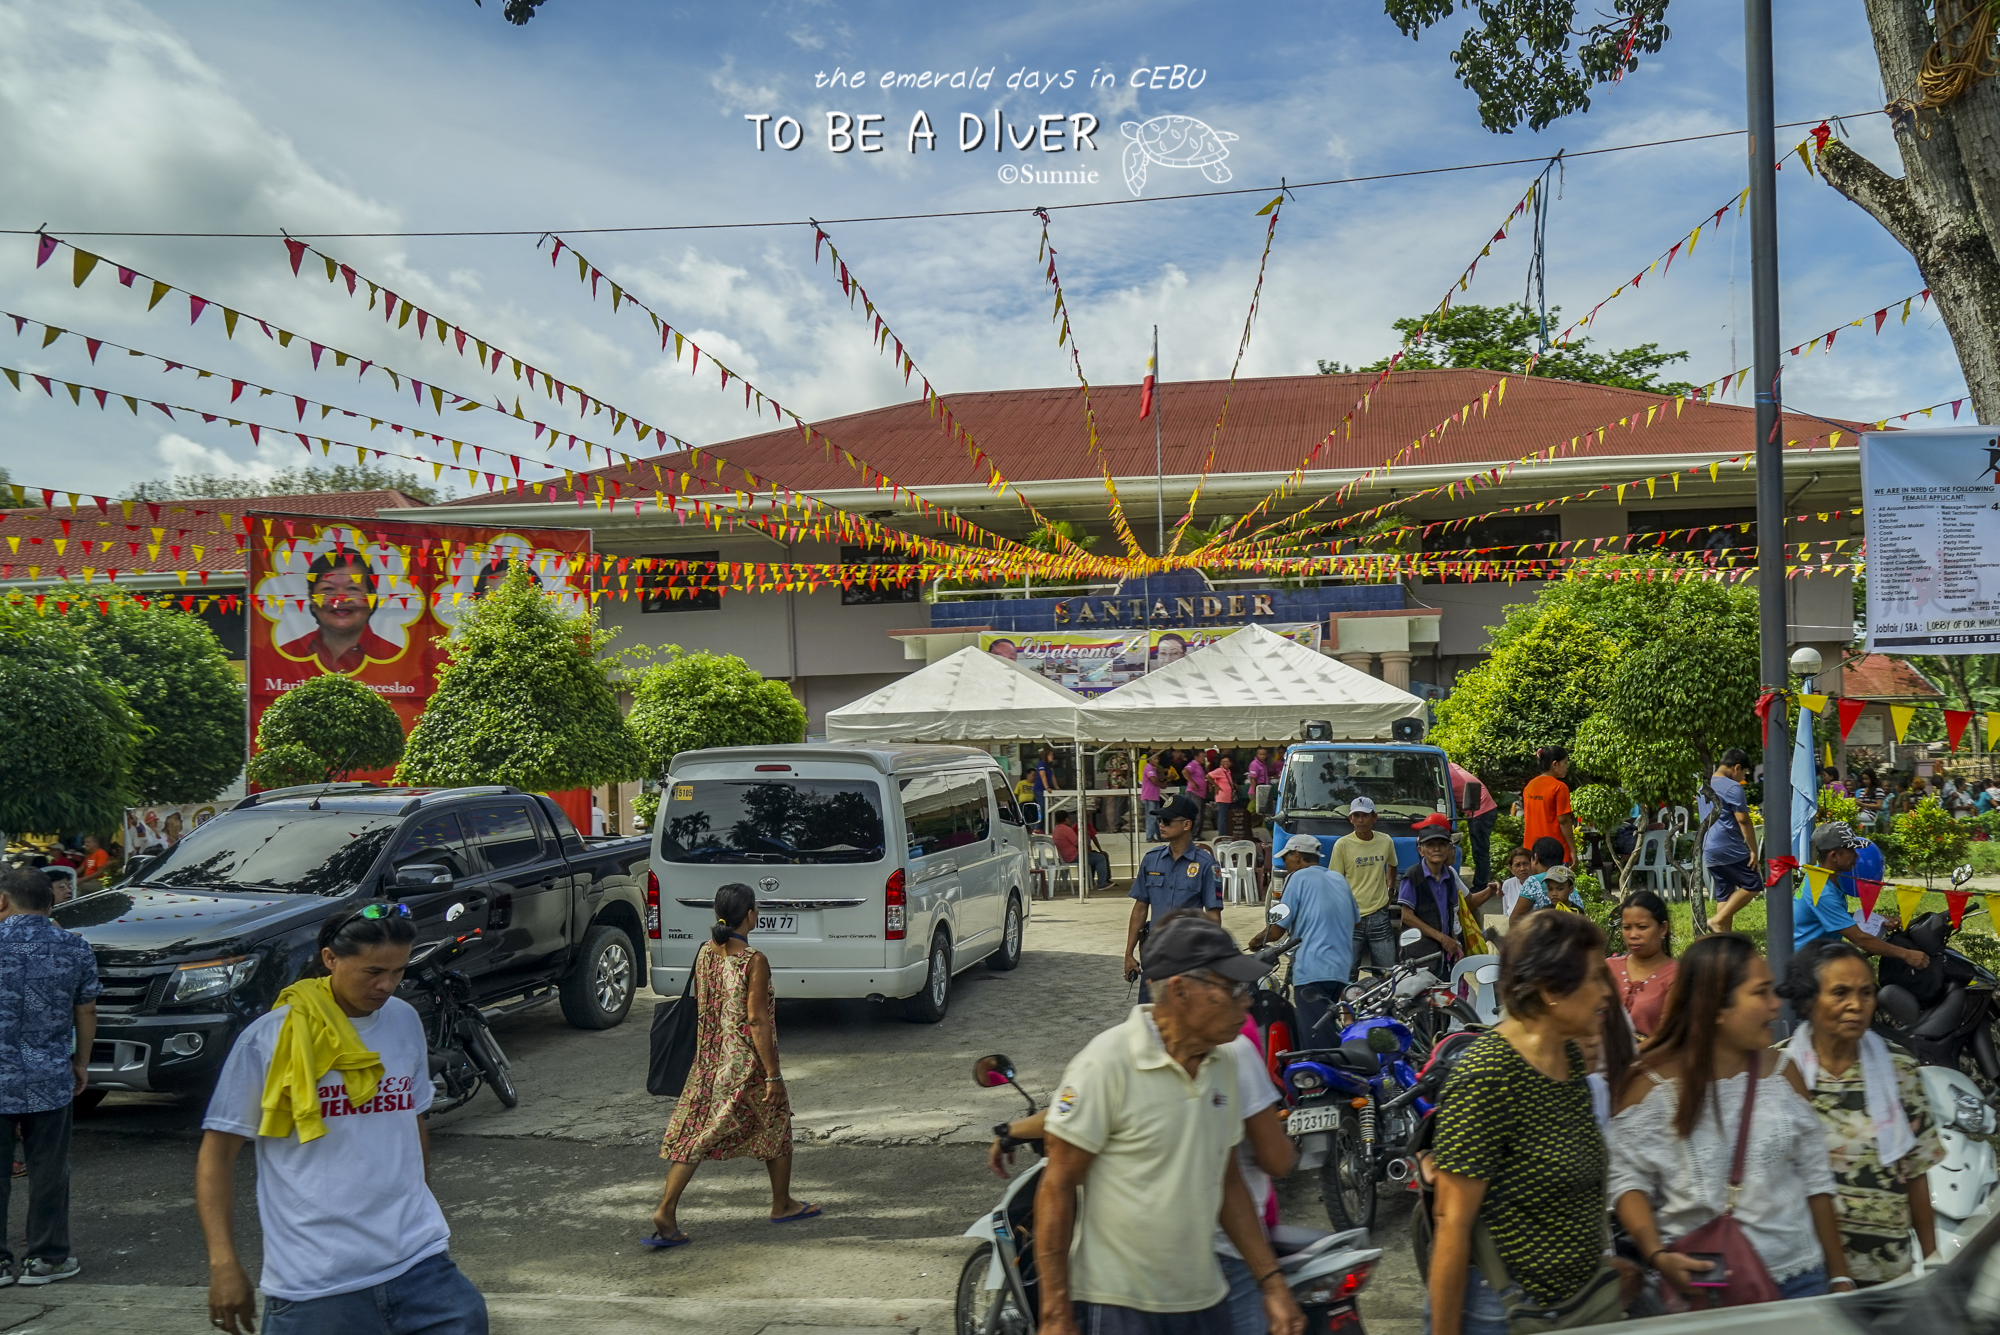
(661, 1243)
(807, 1211)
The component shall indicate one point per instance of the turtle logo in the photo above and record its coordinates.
(1174, 141)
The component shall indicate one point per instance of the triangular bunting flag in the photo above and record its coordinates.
(1954, 903)
(1955, 721)
(1816, 881)
(1901, 715)
(1868, 892)
(1850, 710)
(1816, 703)
(1907, 899)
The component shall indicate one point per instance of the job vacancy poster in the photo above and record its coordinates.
(1932, 504)
(375, 599)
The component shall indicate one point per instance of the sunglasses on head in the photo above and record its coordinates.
(380, 913)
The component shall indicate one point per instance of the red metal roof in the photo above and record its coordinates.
(148, 537)
(1273, 423)
(1880, 677)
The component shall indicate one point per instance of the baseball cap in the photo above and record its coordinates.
(1182, 945)
(1559, 872)
(1181, 807)
(1361, 806)
(1834, 836)
(1437, 825)
(1301, 843)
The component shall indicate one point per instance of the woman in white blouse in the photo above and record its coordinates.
(1675, 1132)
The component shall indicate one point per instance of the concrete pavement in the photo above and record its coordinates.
(547, 1201)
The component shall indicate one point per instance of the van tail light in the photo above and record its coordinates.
(653, 905)
(895, 904)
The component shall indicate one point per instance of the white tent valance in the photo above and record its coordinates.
(1249, 687)
(970, 696)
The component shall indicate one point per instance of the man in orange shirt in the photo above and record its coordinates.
(1545, 811)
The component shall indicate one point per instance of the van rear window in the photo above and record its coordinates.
(794, 821)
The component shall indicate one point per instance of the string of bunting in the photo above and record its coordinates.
(1908, 897)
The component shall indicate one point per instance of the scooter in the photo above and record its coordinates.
(998, 1292)
(1962, 1186)
(1944, 1012)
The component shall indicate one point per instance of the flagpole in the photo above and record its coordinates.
(1159, 473)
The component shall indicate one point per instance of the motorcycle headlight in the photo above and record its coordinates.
(1305, 1080)
(210, 978)
(1974, 1116)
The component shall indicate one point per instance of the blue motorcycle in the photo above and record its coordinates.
(1351, 1107)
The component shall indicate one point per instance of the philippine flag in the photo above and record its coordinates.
(1146, 391)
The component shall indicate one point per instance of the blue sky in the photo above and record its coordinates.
(382, 116)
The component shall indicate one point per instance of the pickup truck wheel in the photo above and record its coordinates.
(1009, 955)
(929, 1005)
(598, 991)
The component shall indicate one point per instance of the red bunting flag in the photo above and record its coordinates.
(1869, 892)
(1850, 710)
(1955, 721)
(1954, 902)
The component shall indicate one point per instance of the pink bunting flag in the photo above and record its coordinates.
(45, 246)
(196, 305)
(298, 253)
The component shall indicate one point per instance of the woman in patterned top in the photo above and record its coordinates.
(1880, 1137)
(1518, 1153)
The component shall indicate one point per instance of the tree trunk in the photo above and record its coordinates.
(1946, 208)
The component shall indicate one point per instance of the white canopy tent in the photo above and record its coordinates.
(1250, 687)
(971, 696)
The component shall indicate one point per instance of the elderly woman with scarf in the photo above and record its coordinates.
(1880, 1139)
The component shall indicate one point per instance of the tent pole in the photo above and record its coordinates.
(1082, 828)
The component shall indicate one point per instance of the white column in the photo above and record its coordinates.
(1361, 662)
(1396, 669)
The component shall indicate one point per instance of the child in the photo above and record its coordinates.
(1551, 883)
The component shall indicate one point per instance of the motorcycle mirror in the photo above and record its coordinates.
(1410, 937)
(1278, 914)
(991, 1072)
(1961, 873)
(1487, 974)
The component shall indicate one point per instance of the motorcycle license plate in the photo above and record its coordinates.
(1343, 1318)
(1305, 1121)
(778, 924)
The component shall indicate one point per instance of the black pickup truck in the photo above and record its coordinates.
(197, 942)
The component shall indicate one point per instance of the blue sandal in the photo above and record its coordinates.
(661, 1242)
(806, 1211)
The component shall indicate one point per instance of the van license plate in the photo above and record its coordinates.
(1305, 1121)
(778, 924)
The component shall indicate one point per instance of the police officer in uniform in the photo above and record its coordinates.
(1176, 875)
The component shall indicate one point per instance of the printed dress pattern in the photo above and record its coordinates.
(723, 1112)
(1871, 1198)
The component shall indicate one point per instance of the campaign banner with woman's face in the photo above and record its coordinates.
(1094, 663)
(375, 599)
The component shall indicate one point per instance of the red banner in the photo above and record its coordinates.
(374, 599)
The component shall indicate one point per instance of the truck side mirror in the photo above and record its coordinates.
(1262, 802)
(423, 876)
(1474, 795)
(139, 864)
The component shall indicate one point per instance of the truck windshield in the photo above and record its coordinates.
(289, 850)
(1319, 785)
(791, 821)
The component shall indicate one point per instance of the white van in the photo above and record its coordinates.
(880, 871)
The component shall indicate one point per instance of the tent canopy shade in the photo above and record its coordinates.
(1251, 687)
(970, 696)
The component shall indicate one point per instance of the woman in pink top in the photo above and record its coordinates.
(1646, 970)
(1149, 793)
(1222, 782)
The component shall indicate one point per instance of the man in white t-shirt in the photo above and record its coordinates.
(354, 1242)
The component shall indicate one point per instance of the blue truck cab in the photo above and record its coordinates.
(1314, 784)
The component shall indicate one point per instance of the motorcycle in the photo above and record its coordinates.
(1943, 1013)
(1962, 1185)
(1347, 1110)
(463, 1052)
(997, 1288)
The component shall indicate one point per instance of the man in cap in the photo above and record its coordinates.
(1176, 875)
(1430, 892)
(1147, 1114)
(1367, 861)
(1317, 907)
(1836, 847)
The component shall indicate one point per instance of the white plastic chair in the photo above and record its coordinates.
(1238, 860)
(1051, 874)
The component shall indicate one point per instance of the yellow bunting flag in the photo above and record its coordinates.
(1901, 715)
(1993, 911)
(1816, 878)
(1813, 702)
(1992, 729)
(1907, 899)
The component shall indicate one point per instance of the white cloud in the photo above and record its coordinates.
(184, 457)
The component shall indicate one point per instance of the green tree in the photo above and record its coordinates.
(701, 700)
(67, 736)
(325, 728)
(1502, 338)
(517, 12)
(525, 700)
(1603, 808)
(177, 676)
(1929, 841)
(305, 480)
(1535, 690)
(1530, 63)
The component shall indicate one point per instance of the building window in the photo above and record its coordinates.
(1502, 531)
(1720, 533)
(680, 571)
(861, 593)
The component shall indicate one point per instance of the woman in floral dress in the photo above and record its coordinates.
(734, 1104)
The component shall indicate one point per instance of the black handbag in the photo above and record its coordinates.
(672, 1041)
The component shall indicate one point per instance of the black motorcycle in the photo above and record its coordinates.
(463, 1052)
(1943, 1013)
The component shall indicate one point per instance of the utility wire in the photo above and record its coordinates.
(952, 213)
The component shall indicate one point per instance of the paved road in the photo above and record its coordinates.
(547, 1200)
